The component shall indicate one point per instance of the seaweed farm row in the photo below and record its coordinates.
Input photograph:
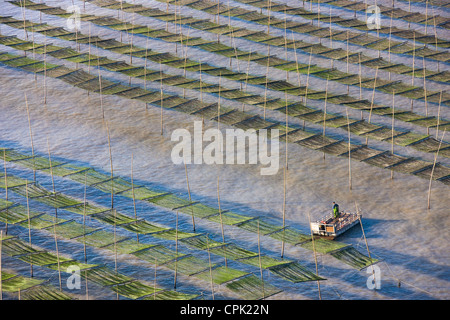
(99, 274)
(30, 288)
(119, 186)
(386, 86)
(261, 37)
(419, 142)
(357, 6)
(300, 110)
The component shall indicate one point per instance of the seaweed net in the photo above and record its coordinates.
(45, 292)
(100, 238)
(134, 290)
(294, 272)
(221, 274)
(16, 283)
(189, 265)
(16, 214)
(252, 288)
(158, 255)
(171, 295)
(70, 230)
(323, 245)
(102, 275)
(354, 258)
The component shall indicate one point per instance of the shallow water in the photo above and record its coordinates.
(409, 240)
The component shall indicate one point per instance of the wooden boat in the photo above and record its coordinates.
(329, 227)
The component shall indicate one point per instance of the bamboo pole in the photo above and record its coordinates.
(360, 79)
(118, 16)
(154, 279)
(185, 61)
(1, 242)
(435, 33)
(175, 24)
(33, 50)
(134, 197)
(432, 171)
(29, 225)
(131, 34)
(392, 130)
(6, 190)
(409, 8)
(89, 54)
(56, 216)
(112, 198)
(218, 107)
(167, 12)
(57, 253)
(331, 38)
(285, 42)
(246, 76)
(176, 251)
(296, 61)
(315, 255)
(438, 115)
(233, 41)
(218, 16)
(348, 54)
(349, 153)
(284, 211)
(425, 88)
(248, 69)
(318, 13)
(373, 98)
(414, 58)
(145, 65)
(220, 215)
(413, 66)
(307, 80)
(87, 290)
(367, 245)
(201, 83)
(24, 22)
(162, 102)
(325, 112)
(287, 130)
(100, 83)
(229, 15)
(31, 137)
(44, 87)
(51, 175)
(389, 42)
(265, 89)
(260, 264)
(111, 165)
(84, 217)
(210, 266)
(189, 193)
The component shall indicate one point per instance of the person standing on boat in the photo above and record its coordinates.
(335, 210)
